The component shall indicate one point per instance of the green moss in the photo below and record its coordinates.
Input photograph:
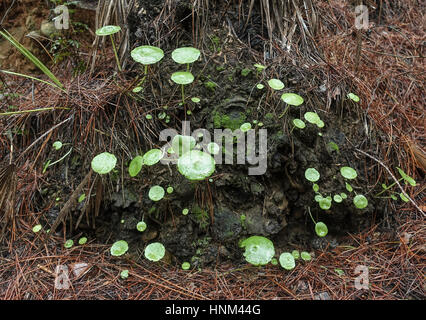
(229, 121)
(210, 85)
(201, 216)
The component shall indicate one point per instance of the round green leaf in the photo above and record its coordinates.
(320, 124)
(337, 198)
(182, 77)
(295, 254)
(185, 55)
(213, 148)
(135, 166)
(348, 172)
(258, 250)
(318, 198)
(276, 84)
(57, 145)
(182, 144)
(195, 100)
(141, 226)
(156, 193)
(185, 211)
(321, 229)
(299, 123)
(152, 157)
(360, 201)
(274, 261)
(170, 190)
(37, 228)
(124, 274)
(325, 203)
(147, 54)
(312, 117)
(69, 243)
(287, 261)
(82, 240)
(353, 97)
(260, 86)
(312, 174)
(186, 266)
(103, 163)
(107, 30)
(305, 256)
(119, 248)
(155, 251)
(245, 127)
(196, 165)
(343, 195)
(292, 99)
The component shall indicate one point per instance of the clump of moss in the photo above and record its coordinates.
(229, 121)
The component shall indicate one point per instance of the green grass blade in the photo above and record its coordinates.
(11, 113)
(31, 57)
(32, 78)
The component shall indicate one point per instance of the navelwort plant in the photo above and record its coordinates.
(146, 55)
(258, 250)
(155, 251)
(109, 31)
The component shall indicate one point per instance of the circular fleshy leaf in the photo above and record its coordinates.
(57, 145)
(213, 148)
(69, 243)
(135, 166)
(258, 250)
(103, 163)
(185, 55)
(195, 100)
(321, 229)
(312, 117)
(260, 86)
(155, 251)
(287, 261)
(292, 99)
(182, 144)
(170, 190)
(119, 248)
(156, 193)
(353, 97)
(147, 54)
(152, 157)
(182, 77)
(348, 172)
(360, 201)
(185, 211)
(107, 30)
(325, 203)
(312, 174)
(276, 84)
(245, 127)
(295, 254)
(82, 240)
(37, 228)
(124, 274)
(299, 123)
(141, 226)
(337, 198)
(186, 266)
(306, 256)
(196, 165)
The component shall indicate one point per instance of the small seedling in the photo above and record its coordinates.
(259, 68)
(185, 211)
(186, 266)
(152, 157)
(57, 145)
(82, 240)
(141, 226)
(295, 254)
(260, 86)
(348, 173)
(119, 248)
(185, 55)
(287, 261)
(360, 201)
(353, 97)
(37, 228)
(135, 166)
(109, 31)
(407, 179)
(305, 256)
(124, 274)
(103, 163)
(182, 144)
(291, 99)
(196, 165)
(276, 84)
(81, 198)
(258, 250)
(320, 227)
(170, 190)
(245, 127)
(146, 55)
(69, 243)
(156, 193)
(195, 100)
(155, 251)
(312, 174)
(183, 78)
(299, 124)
